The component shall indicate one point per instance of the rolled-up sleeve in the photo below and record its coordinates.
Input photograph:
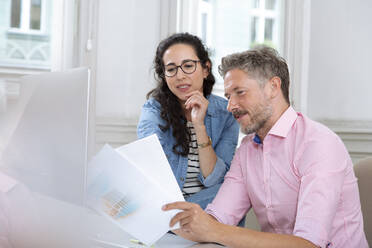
(322, 179)
(231, 202)
(224, 149)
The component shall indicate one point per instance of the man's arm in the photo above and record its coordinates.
(233, 236)
(197, 225)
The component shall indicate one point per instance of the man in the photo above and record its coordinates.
(295, 173)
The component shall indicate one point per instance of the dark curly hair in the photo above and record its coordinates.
(171, 110)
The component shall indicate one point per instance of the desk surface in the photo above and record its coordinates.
(167, 241)
(174, 241)
(77, 223)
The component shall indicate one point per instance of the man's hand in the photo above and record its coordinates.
(195, 224)
(198, 226)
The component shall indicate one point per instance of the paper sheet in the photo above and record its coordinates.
(128, 197)
(148, 155)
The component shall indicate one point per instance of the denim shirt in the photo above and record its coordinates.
(221, 127)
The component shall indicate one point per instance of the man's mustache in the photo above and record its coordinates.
(237, 113)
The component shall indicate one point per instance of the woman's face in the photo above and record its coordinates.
(181, 84)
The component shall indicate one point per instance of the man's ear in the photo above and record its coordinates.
(207, 69)
(275, 85)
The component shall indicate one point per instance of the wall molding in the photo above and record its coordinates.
(114, 131)
(10, 89)
(356, 135)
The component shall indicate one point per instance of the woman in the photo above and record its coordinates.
(197, 133)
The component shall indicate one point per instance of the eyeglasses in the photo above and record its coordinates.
(187, 66)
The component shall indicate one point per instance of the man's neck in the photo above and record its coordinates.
(277, 113)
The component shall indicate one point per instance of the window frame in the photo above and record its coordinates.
(262, 14)
(190, 11)
(25, 32)
(294, 43)
(63, 45)
(206, 8)
(25, 20)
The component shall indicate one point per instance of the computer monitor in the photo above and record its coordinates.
(48, 149)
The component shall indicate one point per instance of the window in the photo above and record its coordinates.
(205, 21)
(26, 15)
(236, 25)
(265, 20)
(16, 14)
(26, 47)
(25, 33)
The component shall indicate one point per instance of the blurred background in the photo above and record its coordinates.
(327, 45)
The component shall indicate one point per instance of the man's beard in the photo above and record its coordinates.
(259, 118)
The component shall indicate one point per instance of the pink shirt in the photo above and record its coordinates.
(299, 181)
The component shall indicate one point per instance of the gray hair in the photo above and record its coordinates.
(261, 63)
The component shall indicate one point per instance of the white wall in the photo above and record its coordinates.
(127, 35)
(128, 32)
(332, 66)
(340, 82)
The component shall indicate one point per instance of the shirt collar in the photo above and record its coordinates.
(284, 123)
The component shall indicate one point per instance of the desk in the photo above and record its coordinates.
(167, 241)
(73, 226)
(174, 241)
(62, 224)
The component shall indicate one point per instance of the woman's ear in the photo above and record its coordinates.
(206, 69)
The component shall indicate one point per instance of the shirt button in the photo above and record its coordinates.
(181, 178)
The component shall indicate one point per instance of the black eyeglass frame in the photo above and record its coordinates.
(180, 66)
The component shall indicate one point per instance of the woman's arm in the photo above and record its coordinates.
(149, 121)
(212, 161)
(207, 156)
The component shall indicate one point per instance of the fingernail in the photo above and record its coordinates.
(164, 207)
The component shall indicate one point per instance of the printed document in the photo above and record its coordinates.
(129, 188)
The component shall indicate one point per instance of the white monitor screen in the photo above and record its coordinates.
(48, 149)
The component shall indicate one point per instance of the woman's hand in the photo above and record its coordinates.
(198, 105)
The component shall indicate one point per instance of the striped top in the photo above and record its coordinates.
(192, 183)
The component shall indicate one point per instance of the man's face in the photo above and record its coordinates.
(248, 101)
